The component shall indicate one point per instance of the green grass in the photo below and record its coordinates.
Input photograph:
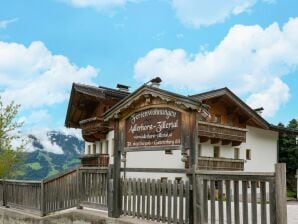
(34, 166)
(52, 172)
(70, 163)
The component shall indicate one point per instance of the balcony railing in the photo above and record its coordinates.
(98, 160)
(222, 132)
(94, 125)
(209, 163)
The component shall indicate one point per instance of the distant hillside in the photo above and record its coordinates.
(42, 163)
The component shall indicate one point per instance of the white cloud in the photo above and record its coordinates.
(43, 137)
(5, 23)
(34, 77)
(248, 60)
(71, 131)
(197, 13)
(277, 94)
(98, 4)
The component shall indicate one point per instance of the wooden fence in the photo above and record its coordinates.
(61, 191)
(231, 197)
(76, 187)
(210, 196)
(162, 201)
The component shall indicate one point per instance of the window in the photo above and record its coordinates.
(169, 152)
(236, 153)
(216, 151)
(248, 154)
(217, 118)
(199, 150)
(94, 148)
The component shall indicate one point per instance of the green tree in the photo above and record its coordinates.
(288, 153)
(12, 144)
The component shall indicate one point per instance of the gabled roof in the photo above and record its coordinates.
(145, 89)
(226, 91)
(79, 92)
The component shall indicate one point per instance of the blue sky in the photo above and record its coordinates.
(249, 46)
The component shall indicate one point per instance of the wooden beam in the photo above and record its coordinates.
(214, 140)
(203, 139)
(225, 142)
(235, 143)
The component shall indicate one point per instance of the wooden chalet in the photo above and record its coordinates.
(227, 130)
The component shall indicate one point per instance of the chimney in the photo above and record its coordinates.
(155, 82)
(123, 88)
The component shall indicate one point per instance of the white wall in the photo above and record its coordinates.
(263, 145)
(154, 159)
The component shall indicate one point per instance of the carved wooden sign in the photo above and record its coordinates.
(153, 127)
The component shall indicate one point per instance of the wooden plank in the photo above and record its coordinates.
(244, 202)
(205, 200)
(148, 190)
(129, 193)
(153, 170)
(169, 201)
(187, 190)
(139, 198)
(228, 201)
(143, 197)
(212, 201)
(153, 192)
(134, 197)
(124, 192)
(182, 189)
(263, 203)
(175, 198)
(272, 201)
(163, 200)
(158, 198)
(220, 202)
(236, 202)
(254, 214)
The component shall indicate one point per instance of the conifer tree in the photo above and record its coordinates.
(288, 153)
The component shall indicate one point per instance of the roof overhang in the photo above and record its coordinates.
(146, 90)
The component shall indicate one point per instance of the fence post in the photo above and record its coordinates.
(110, 190)
(116, 181)
(4, 196)
(42, 199)
(79, 188)
(281, 193)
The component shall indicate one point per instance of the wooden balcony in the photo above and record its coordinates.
(209, 163)
(93, 129)
(219, 132)
(98, 160)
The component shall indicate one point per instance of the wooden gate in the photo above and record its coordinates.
(156, 200)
